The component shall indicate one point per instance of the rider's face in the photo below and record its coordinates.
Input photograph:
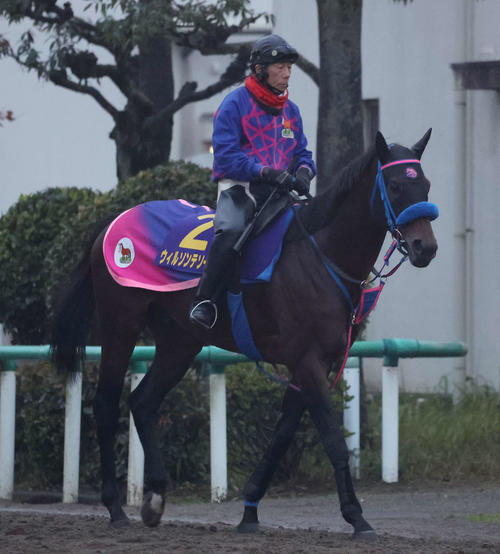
(278, 75)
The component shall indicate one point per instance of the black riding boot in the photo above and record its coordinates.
(234, 210)
(218, 273)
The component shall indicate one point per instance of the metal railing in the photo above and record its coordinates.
(215, 360)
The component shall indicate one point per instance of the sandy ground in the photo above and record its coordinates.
(449, 519)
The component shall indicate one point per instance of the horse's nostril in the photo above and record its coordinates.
(417, 246)
(423, 249)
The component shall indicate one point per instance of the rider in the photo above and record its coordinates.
(258, 144)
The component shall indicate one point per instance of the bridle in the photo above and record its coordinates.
(393, 222)
(415, 211)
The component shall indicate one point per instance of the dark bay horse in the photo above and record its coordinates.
(299, 319)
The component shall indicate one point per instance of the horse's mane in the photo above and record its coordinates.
(321, 209)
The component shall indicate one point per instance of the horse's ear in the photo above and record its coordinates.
(381, 147)
(419, 146)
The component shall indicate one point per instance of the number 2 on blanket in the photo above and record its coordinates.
(190, 240)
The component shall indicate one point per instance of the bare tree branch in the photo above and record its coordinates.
(77, 26)
(234, 73)
(59, 78)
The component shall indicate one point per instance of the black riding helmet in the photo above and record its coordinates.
(272, 49)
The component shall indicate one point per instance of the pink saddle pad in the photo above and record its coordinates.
(163, 246)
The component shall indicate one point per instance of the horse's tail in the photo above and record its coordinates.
(73, 314)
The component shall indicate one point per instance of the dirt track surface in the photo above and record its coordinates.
(458, 520)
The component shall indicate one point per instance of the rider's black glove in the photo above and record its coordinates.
(278, 177)
(303, 180)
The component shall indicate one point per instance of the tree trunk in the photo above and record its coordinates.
(340, 131)
(138, 146)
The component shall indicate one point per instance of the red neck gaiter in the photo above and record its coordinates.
(263, 94)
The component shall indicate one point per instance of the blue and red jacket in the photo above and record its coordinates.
(246, 138)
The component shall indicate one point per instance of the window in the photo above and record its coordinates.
(206, 127)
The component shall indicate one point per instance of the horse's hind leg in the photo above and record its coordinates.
(118, 342)
(292, 409)
(175, 350)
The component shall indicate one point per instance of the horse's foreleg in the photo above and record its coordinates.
(292, 409)
(315, 390)
(171, 362)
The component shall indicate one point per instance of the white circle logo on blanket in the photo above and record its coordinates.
(124, 252)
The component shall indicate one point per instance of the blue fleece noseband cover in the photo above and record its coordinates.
(415, 211)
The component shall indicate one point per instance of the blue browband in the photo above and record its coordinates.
(415, 211)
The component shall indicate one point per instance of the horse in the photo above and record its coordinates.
(300, 319)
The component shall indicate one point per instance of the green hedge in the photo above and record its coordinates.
(27, 232)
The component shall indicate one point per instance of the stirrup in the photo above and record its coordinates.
(194, 318)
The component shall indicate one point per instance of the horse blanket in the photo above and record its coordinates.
(163, 246)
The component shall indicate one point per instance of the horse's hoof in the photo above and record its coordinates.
(120, 523)
(118, 518)
(246, 527)
(368, 535)
(152, 509)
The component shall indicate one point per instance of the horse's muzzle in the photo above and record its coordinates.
(421, 253)
(420, 242)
